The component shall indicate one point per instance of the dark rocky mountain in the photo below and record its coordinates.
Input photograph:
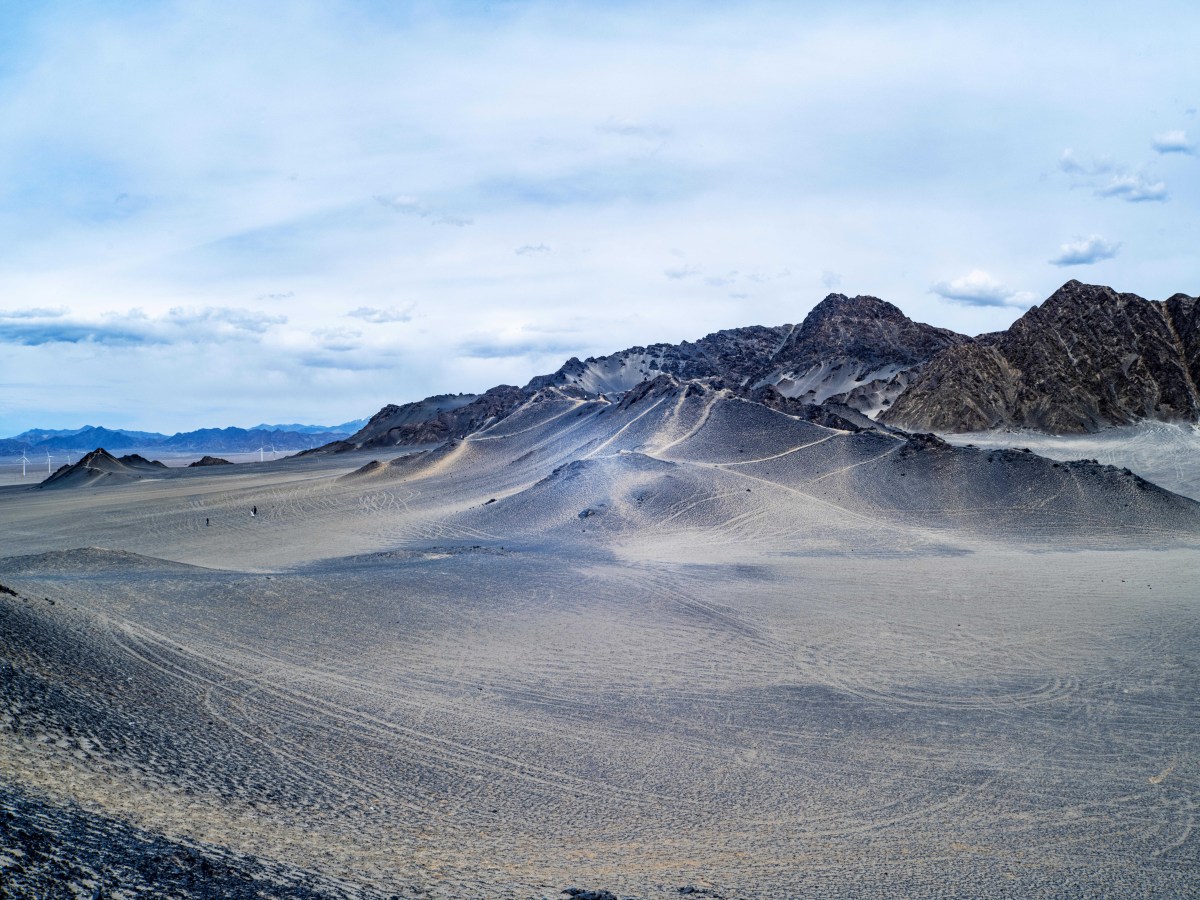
(737, 355)
(433, 420)
(1088, 357)
(845, 344)
(859, 351)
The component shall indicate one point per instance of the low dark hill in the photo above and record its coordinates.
(432, 420)
(101, 467)
(209, 461)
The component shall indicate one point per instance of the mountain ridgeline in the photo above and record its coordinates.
(1085, 359)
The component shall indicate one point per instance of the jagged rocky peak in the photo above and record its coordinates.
(859, 351)
(434, 419)
(1086, 358)
(867, 328)
(735, 354)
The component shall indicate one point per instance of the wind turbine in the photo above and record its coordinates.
(272, 451)
(260, 453)
(24, 459)
(47, 462)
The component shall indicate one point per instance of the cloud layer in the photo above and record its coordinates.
(228, 214)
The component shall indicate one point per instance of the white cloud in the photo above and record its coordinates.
(403, 203)
(1085, 251)
(179, 325)
(527, 249)
(630, 128)
(978, 288)
(1173, 142)
(339, 340)
(1133, 189)
(678, 273)
(383, 316)
(39, 312)
(1072, 164)
(411, 206)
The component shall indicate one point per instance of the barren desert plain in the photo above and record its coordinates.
(676, 645)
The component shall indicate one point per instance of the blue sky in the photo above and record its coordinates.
(219, 213)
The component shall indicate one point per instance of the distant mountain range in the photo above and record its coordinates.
(287, 438)
(1085, 359)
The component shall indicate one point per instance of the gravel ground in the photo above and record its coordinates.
(688, 651)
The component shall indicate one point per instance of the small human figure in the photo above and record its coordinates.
(253, 511)
(206, 522)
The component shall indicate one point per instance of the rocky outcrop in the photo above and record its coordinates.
(209, 461)
(844, 345)
(735, 355)
(1087, 358)
(434, 419)
(831, 415)
(859, 351)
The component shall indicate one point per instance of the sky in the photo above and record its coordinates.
(220, 214)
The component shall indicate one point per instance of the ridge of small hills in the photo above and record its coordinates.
(1085, 359)
(100, 465)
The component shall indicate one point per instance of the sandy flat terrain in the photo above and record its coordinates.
(682, 642)
(1163, 452)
